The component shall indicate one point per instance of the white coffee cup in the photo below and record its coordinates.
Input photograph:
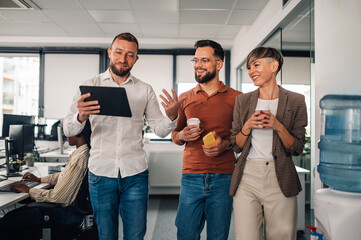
(193, 121)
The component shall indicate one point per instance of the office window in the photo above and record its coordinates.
(157, 70)
(19, 81)
(184, 87)
(246, 82)
(61, 83)
(185, 73)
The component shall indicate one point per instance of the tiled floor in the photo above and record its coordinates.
(161, 216)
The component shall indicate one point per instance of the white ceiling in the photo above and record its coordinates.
(154, 20)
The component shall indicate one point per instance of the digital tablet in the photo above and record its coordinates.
(113, 101)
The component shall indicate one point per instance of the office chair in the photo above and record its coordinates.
(86, 230)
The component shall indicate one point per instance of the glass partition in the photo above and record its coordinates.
(297, 48)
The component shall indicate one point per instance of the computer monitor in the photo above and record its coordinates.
(12, 119)
(22, 138)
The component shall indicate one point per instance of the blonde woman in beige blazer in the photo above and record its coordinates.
(268, 128)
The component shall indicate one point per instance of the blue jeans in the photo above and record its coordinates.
(204, 197)
(128, 196)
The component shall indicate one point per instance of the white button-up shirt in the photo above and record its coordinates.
(116, 142)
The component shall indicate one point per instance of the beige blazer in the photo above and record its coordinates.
(292, 113)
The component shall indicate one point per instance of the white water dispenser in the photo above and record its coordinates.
(337, 209)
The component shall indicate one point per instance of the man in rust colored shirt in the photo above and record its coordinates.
(207, 170)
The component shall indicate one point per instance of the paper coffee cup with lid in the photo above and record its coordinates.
(193, 121)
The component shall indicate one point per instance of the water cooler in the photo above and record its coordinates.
(337, 209)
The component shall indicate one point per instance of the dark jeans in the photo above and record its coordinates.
(25, 222)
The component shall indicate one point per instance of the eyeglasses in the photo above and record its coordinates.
(202, 60)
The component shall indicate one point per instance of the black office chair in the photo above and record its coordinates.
(86, 230)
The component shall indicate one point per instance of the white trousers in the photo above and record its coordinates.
(259, 201)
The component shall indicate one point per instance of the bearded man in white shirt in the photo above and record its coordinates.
(118, 171)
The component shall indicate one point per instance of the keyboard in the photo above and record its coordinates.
(6, 187)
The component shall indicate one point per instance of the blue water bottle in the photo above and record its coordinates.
(340, 143)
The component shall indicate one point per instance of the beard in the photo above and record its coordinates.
(208, 77)
(121, 72)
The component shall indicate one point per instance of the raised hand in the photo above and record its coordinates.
(171, 105)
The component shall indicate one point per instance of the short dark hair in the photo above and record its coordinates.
(127, 37)
(86, 133)
(218, 50)
(265, 52)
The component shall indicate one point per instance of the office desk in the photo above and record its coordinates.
(2, 153)
(9, 198)
(301, 198)
(56, 156)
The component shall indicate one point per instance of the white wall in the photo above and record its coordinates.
(337, 55)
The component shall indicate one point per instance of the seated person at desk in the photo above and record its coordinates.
(66, 187)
